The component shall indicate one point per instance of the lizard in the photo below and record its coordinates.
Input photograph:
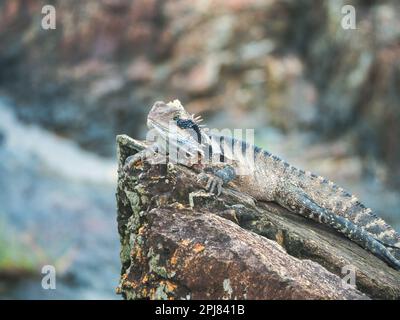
(221, 160)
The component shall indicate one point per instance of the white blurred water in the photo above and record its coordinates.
(57, 206)
(60, 155)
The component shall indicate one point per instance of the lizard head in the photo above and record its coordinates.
(173, 123)
(166, 114)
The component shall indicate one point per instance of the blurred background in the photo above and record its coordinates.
(323, 98)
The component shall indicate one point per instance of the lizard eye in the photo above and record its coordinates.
(176, 117)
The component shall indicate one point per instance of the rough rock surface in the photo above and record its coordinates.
(179, 242)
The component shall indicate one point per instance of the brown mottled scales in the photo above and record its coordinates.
(224, 160)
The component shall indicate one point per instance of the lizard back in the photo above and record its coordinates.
(321, 190)
(337, 200)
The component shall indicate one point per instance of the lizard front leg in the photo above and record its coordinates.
(140, 156)
(216, 178)
(295, 200)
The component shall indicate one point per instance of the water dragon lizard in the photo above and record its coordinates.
(270, 179)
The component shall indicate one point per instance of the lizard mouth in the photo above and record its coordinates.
(186, 125)
(151, 124)
(185, 134)
(178, 135)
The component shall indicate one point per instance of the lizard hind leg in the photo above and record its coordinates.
(217, 178)
(295, 200)
(214, 183)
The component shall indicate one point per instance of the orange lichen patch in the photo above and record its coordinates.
(138, 164)
(145, 278)
(170, 286)
(141, 230)
(179, 206)
(185, 242)
(280, 238)
(162, 200)
(188, 262)
(174, 258)
(152, 293)
(137, 253)
(127, 284)
(198, 247)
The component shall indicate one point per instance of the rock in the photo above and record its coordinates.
(141, 70)
(256, 49)
(203, 77)
(179, 242)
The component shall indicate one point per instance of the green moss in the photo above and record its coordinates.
(227, 288)
(125, 253)
(144, 199)
(154, 266)
(131, 295)
(133, 223)
(161, 292)
(139, 188)
(13, 254)
(134, 201)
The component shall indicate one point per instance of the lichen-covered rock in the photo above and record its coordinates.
(195, 254)
(179, 242)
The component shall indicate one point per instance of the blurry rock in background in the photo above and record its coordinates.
(325, 98)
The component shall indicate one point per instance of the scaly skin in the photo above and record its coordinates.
(268, 178)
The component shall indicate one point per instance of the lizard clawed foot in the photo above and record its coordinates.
(214, 183)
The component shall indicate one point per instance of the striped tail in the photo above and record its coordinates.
(342, 203)
(295, 200)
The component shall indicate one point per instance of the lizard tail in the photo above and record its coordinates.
(375, 226)
(297, 201)
(340, 202)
